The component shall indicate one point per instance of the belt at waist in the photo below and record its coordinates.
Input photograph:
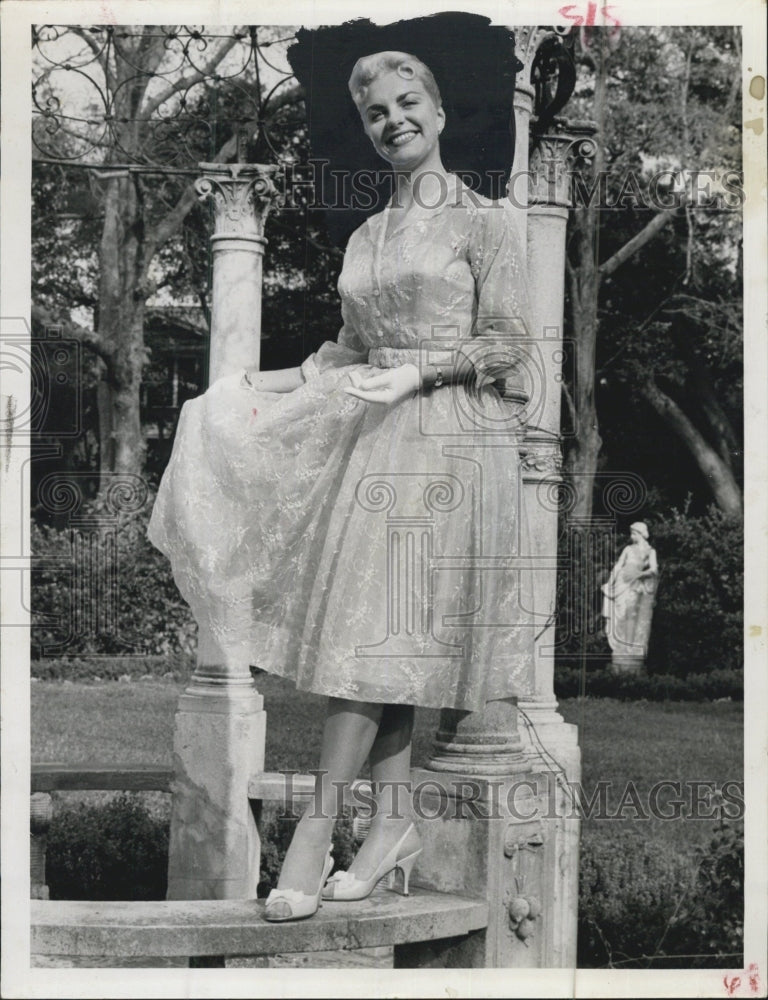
(393, 357)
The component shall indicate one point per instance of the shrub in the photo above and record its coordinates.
(698, 618)
(643, 905)
(119, 850)
(713, 921)
(629, 889)
(138, 607)
(116, 850)
(110, 668)
(603, 683)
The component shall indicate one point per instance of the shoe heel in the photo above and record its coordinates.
(406, 867)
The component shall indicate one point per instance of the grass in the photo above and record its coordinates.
(642, 742)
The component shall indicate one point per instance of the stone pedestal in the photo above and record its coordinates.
(511, 840)
(632, 666)
(497, 826)
(220, 722)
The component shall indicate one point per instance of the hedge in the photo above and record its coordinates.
(604, 683)
(641, 903)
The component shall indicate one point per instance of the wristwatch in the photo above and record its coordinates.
(434, 377)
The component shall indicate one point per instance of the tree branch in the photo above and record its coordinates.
(569, 403)
(171, 221)
(722, 483)
(76, 332)
(185, 82)
(646, 234)
(93, 45)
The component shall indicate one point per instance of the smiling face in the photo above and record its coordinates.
(403, 122)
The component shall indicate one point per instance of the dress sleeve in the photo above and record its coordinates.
(498, 263)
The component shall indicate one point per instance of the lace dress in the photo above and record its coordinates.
(367, 551)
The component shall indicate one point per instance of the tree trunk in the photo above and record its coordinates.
(121, 329)
(724, 487)
(584, 451)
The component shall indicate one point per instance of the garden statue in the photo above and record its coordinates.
(628, 599)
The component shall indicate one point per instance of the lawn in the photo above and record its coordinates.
(642, 742)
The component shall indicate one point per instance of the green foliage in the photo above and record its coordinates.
(150, 616)
(603, 683)
(713, 923)
(697, 619)
(643, 905)
(113, 851)
(119, 850)
(174, 666)
(671, 311)
(629, 889)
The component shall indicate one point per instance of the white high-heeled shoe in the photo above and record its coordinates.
(292, 904)
(344, 886)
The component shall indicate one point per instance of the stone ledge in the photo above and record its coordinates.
(236, 927)
(101, 777)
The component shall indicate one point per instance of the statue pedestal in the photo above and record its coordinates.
(632, 666)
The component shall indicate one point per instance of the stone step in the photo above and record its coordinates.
(237, 927)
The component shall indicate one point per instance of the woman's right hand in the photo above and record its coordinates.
(280, 380)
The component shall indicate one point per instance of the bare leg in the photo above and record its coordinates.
(349, 734)
(391, 776)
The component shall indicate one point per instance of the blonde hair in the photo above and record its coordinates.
(368, 68)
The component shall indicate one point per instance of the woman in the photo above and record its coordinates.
(345, 523)
(629, 596)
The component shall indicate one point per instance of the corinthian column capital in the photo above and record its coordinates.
(553, 158)
(242, 194)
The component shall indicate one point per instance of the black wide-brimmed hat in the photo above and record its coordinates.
(475, 66)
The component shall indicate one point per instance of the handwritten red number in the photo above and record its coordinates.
(732, 983)
(590, 19)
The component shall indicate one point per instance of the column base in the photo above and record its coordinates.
(478, 743)
(214, 850)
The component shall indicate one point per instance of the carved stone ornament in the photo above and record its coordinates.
(554, 158)
(242, 195)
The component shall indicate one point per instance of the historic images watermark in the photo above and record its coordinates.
(315, 185)
(545, 796)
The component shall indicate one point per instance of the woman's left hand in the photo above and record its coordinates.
(388, 387)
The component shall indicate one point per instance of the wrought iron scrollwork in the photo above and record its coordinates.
(553, 75)
(163, 96)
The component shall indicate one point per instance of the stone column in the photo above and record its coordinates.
(528, 38)
(220, 722)
(242, 195)
(549, 202)
(497, 819)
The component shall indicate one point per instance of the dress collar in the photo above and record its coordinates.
(377, 223)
